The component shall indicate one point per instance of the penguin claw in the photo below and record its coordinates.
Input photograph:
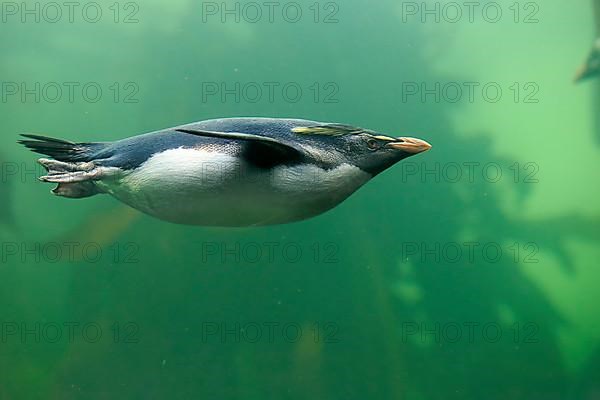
(71, 177)
(54, 166)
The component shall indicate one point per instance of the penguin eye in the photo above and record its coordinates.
(372, 144)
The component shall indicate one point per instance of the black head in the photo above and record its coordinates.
(368, 150)
(591, 66)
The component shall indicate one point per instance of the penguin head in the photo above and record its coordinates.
(375, 153)
(370, 151)
(591, 66)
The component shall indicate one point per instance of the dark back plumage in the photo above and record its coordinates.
(323, 144)
(132, 152)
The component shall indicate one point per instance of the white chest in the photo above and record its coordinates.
(212, 188)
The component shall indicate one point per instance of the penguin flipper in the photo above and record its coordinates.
(260, 151)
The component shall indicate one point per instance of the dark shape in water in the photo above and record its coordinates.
(226, 172)
(591, 67)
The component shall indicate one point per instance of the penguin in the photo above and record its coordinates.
(591, 67)
(230, 172)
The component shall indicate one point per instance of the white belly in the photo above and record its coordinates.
(198, 187)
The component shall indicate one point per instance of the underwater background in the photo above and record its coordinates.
(467, 272)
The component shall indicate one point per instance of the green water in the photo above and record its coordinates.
(467, 272)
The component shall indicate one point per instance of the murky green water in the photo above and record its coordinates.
(467, 272)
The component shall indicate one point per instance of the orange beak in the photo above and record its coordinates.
(410, 145)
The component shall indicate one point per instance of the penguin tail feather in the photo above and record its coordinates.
(59, 149)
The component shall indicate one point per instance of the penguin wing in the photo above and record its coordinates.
(261, 151)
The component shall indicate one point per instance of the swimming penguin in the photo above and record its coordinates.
(591, 66)
(226, 172)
